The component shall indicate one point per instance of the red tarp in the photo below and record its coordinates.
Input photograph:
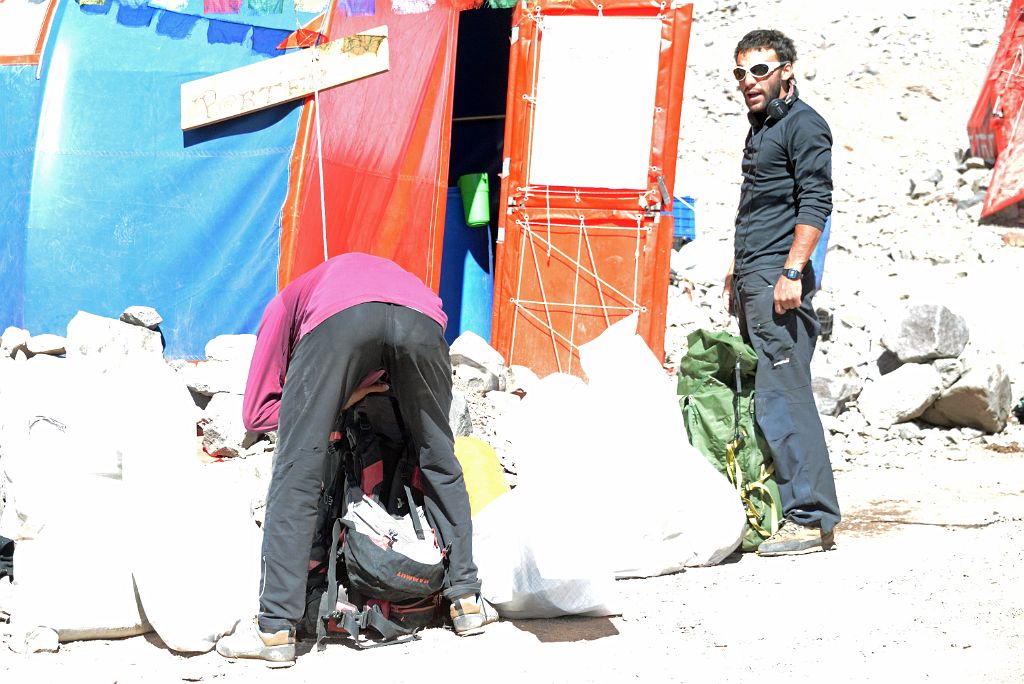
(572, 260)
(995, 128)
(385, 152)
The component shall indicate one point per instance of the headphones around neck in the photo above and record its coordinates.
(778, 108)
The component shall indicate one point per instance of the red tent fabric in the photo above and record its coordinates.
(385, 152)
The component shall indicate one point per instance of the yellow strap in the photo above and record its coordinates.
(748, 492)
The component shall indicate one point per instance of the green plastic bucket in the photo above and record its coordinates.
(475, 199)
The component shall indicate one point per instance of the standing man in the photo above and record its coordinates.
(353, 325)
(785, 199)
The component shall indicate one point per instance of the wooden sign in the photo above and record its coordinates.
(282, 79)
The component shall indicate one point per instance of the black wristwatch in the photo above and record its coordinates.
(792, 273)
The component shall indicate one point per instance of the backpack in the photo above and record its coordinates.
(375, 563)
(716, 394)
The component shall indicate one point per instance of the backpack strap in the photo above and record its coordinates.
(329, 600)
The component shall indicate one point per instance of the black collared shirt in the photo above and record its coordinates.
(787, 179)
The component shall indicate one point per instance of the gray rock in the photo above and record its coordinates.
(906, 431)
(12, 340)
(459, 417)
(887, 362)
(926, 331)
(144, 316)
(53, 345)
(949, 370)
(208, 378)
(110, 341)
(901, 395)
(980, 399)
(833, 394)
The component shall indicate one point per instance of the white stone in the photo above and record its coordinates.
(922, 332)
(521, 378)
(901, 395)
(231, 348)
(12, 340)
(145, 316)
(981, 399)
(109, 341)
(477, 364)
(224, 434)
(53, 345)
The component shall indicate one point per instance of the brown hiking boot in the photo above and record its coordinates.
(247, 641)
(792, 539)
(470, 614)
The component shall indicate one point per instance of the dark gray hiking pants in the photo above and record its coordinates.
(326, 366)
(783, 400)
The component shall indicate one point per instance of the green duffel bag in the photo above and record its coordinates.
(716, 395)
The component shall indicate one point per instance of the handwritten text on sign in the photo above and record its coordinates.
(282, 79)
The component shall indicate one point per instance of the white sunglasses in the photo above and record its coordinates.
(757, 70)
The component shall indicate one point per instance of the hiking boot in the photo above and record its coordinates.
(795, 539)
(470, 614)
(247, 641)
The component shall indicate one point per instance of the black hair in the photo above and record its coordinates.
(768, 39)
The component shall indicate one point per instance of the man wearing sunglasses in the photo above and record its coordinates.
(785, 198)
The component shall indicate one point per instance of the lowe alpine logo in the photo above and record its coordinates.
(409, 577)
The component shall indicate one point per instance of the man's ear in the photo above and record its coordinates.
(787, 71)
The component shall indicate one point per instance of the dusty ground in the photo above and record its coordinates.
(926, 582)
(924, 586)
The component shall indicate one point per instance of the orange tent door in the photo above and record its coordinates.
(595, 96)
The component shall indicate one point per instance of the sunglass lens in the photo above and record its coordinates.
(739, 73)
(759, 70)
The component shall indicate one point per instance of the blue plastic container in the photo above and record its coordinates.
(684, 218)
(818, 255)
(467, 273)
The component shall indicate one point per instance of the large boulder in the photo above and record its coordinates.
(923, 332)
(477, 364)
(110, 342)
(980, 399)
(901, 395)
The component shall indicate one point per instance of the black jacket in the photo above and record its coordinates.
(787, 179)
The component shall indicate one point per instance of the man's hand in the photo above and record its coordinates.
(727, 289)
(787, 294)
(361, 392)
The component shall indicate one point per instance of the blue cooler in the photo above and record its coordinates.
(683, 220)
(467, 277)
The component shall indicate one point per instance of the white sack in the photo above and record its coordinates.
(196, 560)
(667, 504)
(515, 536)
(75, 575)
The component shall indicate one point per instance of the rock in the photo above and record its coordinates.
(907, 431)
(921, 187)
(477, 364)
(207, 378)
(980, 399)
(34, 640)
(52, 345)
(503, 401)
(833, 394)
(144, 316)
(110, 341)
(12, 341)
(459, 417)
(224, 434)
(926, 331)
(231, 348)
(901, 395)
(975, 163)
(949, 370)
(887, 362)
(521, 378)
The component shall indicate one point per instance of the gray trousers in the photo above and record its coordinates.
(783, 400)
(327, 365)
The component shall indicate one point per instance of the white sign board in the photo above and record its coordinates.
(596, 88)
(282, 79)
(20, 24)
